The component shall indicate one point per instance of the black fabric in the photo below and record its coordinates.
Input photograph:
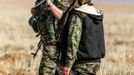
(33, 20)
(62, 43)
(92, 44)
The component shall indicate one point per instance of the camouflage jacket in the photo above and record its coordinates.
(48, 23)
(74, 37)
(75, 32)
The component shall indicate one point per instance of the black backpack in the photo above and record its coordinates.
(92, 44)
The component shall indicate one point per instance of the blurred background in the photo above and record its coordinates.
(17, 40)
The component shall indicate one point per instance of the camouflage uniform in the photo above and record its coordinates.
(74, 36)
(48, 64)
(47, 28)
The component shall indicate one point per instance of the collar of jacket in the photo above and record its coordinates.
(89, 9)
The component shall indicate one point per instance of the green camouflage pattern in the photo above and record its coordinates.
(48, 61)
(46, 15)
(86, 68)
(75, 32)
(47, 64)
(64, 2)
(47, 22)
(47, 27)
(74, 37)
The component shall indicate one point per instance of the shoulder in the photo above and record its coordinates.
(75, 14)
(75, 20)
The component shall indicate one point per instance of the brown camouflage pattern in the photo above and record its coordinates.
(86, 68)
(47, 27)
(74, 37)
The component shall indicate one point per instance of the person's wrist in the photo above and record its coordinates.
(50, 4)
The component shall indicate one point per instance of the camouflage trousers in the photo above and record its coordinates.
(85, 69)
(48, 61)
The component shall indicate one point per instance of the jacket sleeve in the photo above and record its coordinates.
(74, 37)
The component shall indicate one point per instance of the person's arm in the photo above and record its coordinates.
(74, 37)
(55, 10)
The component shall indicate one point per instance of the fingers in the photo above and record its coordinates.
(66, 71)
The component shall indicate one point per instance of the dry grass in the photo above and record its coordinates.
(119, 31)
(17, 41)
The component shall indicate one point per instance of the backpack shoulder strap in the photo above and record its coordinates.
(80, 14)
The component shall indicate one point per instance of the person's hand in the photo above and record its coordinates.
(66, 70)
(34, 10)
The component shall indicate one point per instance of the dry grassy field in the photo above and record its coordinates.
(17, 40)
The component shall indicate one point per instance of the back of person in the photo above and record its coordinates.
(92, 44)
(82, 40)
